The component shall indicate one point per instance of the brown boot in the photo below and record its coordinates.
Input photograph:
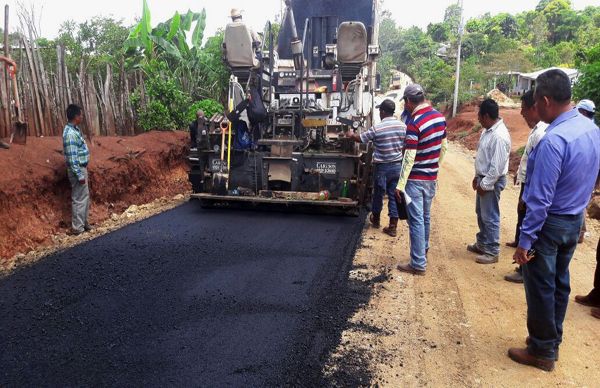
(596, 313)
(391, 230)
(522, 356)
(587, 301)
(556, 352)
(374, 219)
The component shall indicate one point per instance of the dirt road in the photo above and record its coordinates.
(454, 326)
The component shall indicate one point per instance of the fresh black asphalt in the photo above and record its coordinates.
(190, 297)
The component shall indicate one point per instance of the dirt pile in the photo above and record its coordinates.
(465, 129)
(502, 99)
(35, 192)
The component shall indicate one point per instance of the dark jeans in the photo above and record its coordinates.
(595, 293)
(386, 177)
(521, 212)
(547, 284)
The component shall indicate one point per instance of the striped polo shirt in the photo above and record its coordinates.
(426, 130)
(388, 140)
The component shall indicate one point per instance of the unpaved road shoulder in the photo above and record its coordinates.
(454, 326)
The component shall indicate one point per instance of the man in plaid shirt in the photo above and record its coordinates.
(77, 156)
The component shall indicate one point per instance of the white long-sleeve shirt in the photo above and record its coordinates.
(534, 138)
(493, 153)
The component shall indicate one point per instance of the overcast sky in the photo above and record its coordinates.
(256, 13)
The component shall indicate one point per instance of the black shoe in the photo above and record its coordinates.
(88, 228)
(475, 249)
(515, 277)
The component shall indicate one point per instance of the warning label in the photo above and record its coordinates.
(329, 168)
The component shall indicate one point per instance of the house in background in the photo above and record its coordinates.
(526, 81)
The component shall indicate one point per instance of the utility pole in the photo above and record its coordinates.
(460, 36)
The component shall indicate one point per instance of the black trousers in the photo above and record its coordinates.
(520, 214)
(595, 293)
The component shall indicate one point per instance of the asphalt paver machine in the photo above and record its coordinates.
(290, 104)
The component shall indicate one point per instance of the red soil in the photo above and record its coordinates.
(35, 192)
(462, 129)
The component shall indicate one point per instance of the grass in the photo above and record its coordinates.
(476, 128)
(462, 134)
(521, 151)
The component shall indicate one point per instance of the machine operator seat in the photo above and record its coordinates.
(352, 47)
(239, 50)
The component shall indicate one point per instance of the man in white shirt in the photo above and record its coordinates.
(491, 167)
(538, 130)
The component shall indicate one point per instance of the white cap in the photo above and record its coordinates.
(587, 105)
(236, 13)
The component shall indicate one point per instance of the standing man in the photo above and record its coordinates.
(588, 109)
(198, 127)
(593, 298)
(426, 145)
(491, 167)
(561, 174)
(388, 141)
(77, 157)
(538, 130)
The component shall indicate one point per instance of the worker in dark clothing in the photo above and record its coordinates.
(593, 298)
(198, 127)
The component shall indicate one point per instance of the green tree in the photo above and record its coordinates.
(588, 84)
(562, 20)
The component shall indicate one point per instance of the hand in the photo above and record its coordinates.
(475, 184)
(399, 196)
(481, 192)
(521, 257)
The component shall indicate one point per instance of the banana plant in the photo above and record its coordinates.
(169, 38)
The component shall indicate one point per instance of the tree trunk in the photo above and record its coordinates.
(34, 91)
(109, 113)
(6, 119)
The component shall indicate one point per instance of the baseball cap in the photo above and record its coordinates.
(587, 105)
(414, 90)
(387, 105)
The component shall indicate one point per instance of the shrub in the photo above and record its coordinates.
(209, 106)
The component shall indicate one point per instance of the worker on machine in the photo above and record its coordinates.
(236, 19)
(198, 127)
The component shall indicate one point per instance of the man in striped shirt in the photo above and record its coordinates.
(491, 167)
(388, 143)
(77, 156)
(425, 147)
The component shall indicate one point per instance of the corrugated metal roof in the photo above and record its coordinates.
(535, 74)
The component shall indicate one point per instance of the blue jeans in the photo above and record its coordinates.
(487, 207)
(419, 215)
(547, 285)
(386, 177)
